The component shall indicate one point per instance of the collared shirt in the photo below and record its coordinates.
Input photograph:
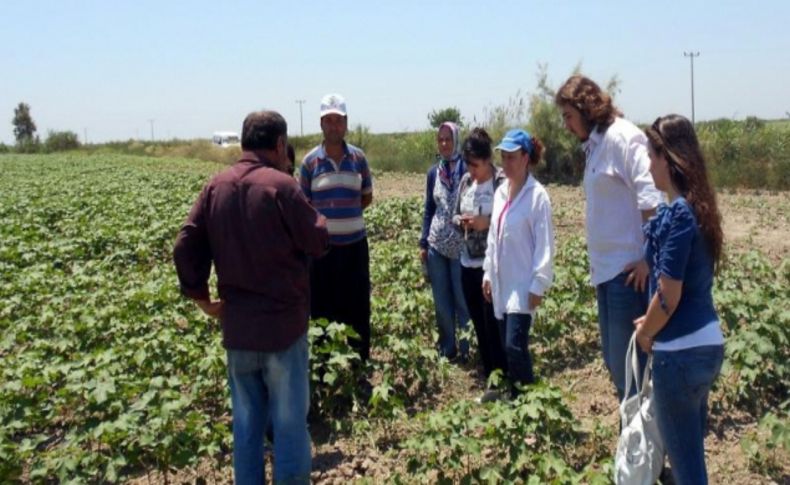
(520, 247)
(675, 248)
(255, 225)
(618, 185)
(336, 190)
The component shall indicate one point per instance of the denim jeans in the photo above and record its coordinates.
(514, 332)
(448, 298)
(270, 388)
(618, 306)
(681, 382)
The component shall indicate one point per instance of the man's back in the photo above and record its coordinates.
(257, 227)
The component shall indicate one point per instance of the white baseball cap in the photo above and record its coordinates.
(333, 103)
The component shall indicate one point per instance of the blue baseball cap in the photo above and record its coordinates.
(516, 139)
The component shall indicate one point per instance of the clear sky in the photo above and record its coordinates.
(194, 67)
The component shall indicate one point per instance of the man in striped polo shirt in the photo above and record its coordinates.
(336, 179)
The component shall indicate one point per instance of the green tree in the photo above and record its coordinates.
(24, 127)
(436, 118)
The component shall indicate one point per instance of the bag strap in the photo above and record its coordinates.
(632, 370)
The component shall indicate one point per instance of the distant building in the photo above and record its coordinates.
(226, 138)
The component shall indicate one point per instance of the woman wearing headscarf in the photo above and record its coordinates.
(441, 243)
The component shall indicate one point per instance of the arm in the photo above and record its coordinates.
(657, 316)
(367, 184)
(671, 264)
(306, 180)
(462, 185)
(488, 262)
(542, 259)
(429, 208)
(636, 174)
(367, 199)
(306, 226)
(192, 257)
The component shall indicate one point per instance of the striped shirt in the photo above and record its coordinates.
(336, 189)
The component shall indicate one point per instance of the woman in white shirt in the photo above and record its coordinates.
(620, 196)
(517, 269)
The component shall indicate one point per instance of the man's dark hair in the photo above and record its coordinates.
(261, 130)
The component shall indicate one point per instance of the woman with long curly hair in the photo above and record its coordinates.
(620, 196)
(681, 327)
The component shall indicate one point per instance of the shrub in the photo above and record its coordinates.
(29, 145)
(750, 154)
(58, 141)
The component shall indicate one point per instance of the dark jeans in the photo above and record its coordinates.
(486, 327)
(681, 383)
(340, 291)
(514, 335)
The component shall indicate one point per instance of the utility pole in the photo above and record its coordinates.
(691, 55)
(151, 120)
(300, 102)
(85, 138)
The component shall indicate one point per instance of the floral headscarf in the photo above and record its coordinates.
(446, 176)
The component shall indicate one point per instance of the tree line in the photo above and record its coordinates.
(28, 141)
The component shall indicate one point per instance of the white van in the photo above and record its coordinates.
(226, 139)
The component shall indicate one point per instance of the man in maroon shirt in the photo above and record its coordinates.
(255, 225)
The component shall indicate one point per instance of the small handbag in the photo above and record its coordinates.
(640, 449)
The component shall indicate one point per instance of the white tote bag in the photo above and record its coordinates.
(640, 449)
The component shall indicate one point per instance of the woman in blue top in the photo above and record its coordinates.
(441, 243)
(683, 247)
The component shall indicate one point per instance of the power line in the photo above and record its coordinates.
(300, 102)
(691, 55)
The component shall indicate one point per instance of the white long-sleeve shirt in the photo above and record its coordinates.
(617, 186)
(520, 248)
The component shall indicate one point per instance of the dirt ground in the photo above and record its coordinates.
(752, 220)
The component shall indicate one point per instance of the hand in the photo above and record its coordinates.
(637, 275)
(644, 341)
(534, 301)
(487, 291)
(211, 308)
(423, 255)
(479, 223)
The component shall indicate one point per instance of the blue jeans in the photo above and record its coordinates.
(681, 383)
(618, 306)
(448, 298)
(270, 387)
(514, 333)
